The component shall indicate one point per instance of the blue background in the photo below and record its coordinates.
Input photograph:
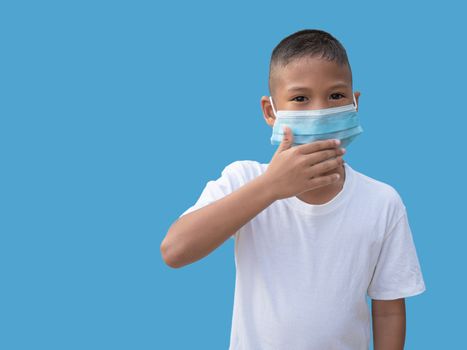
(115, 114)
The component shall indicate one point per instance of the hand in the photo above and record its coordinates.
(298, 169)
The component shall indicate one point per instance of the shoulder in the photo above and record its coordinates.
(245, 169)
(379, 194)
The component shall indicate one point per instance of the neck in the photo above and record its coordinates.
(322, 195)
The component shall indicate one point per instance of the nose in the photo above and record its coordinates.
(319, 104)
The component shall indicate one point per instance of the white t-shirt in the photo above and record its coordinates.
(303, 271)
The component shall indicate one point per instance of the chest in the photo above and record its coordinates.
(308, 247)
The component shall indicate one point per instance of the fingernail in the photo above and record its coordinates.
(337, 142)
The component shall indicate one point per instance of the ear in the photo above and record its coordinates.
(268, 113)
(357, 95)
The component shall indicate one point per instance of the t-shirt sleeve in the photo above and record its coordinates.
(397, 273)
(231, 179)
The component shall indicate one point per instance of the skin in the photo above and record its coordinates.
(290, 171)
(389, 323)
(315, 83)
(305, 171)
(307, 83)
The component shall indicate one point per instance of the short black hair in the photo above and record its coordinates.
(308, 42)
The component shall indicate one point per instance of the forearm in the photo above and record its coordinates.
(389, 331)
(196, 234)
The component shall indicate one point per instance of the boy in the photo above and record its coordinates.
(312, 235)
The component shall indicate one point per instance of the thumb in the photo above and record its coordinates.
(287, 139)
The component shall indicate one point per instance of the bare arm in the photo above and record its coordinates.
(388, 324)
(291, 171)
(196, 234)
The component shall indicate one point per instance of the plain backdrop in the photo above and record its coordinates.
(115, 114)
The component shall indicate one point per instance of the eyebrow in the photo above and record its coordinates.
(337, 85)
(294, 88)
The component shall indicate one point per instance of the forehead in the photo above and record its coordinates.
(311, 73)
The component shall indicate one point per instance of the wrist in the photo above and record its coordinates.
(266, 187)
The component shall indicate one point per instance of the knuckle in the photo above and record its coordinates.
(328, 165)
(316, 145)
(327, 179)
(331, 164)
(330, 143)
(331, 153)
(320, 181)
(296, 150)
(322, 144)
(326, 154)
(304, 148)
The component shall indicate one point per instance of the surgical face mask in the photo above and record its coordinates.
(310, 125)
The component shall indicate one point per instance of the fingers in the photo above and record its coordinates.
(323, 155)
(287, 139)
(324, 167)
(323, 180)
(317, 146)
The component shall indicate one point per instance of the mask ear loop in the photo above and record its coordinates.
(272, 105)
(354, 101)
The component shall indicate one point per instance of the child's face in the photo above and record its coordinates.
(308, 83)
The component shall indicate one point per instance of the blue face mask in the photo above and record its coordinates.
(310, 125)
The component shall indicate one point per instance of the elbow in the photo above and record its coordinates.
(169, 255)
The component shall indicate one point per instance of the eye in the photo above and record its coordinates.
(336, 94)
(299, 98)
